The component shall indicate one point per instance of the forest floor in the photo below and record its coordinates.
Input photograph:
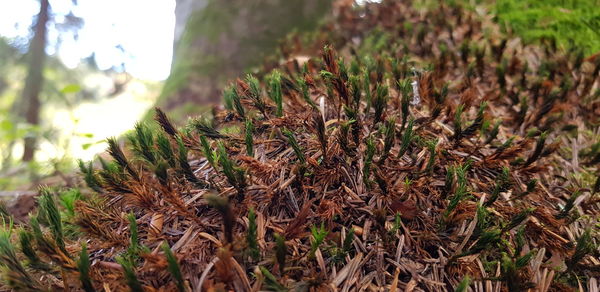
(422, 150)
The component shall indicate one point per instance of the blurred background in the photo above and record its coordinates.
(74, 72)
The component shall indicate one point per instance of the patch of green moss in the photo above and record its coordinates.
(571, 23)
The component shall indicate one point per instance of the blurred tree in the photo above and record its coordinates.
(32, 86)
(222, 38)
(183, 11)
(35, 78)
(9, 56)
(36, 84)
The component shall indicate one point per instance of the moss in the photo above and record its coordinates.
(430, 169)
(571, 23)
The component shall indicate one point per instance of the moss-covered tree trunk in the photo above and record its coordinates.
(225, 37)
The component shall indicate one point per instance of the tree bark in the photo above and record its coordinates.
(223, 38)
(183, 11)
(35, 78)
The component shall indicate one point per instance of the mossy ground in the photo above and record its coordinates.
(572, 24)
(423, 154)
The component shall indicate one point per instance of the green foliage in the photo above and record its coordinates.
(36, 229)
(524, 260)
(15, 274)
(483, 219)
(236, 176)
(255, 93)
(165, 150)
(389, 133)
(397, 223)
(160, 170)
(518, 219)
(380, 102)
(405, 88)
(51, 214)
(252, 236)
(537, 151)
(490, 229)
(68, 199)
(236, 101)
(355, 88)
(569, 205)
(4, 213)
(249, 131)
(83, 267)
(369, 153)
(292, 141)
(487, 240)
(280, 252)
(207, 151)
(431, 145)
(502, 184)
(505, 145)
(271, 282)
(112, 175)
(89, 176)
(228, 98)
(340, 252)
(463, 286)
(367, 89)
(204, 127)
(305, 93)
(477, 123)
(117, 154)
(585, 245)
(130, 276)
(520, 239)
(275, 91)
(319, 126)
(347, 244)
(135, 249)
(184, 167)
(33, 260)
(458, 121)
(572, 24)
(343, 139)
(510, 271)
(407, 138)
(142, 143)
(353, 117)
(319, 235)
(493, 133)
(173, 267)
(461, 191)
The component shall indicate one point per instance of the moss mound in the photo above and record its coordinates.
(420, 156)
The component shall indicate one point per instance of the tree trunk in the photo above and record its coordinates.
(183, 11)
(35, 78)
(224, 38)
